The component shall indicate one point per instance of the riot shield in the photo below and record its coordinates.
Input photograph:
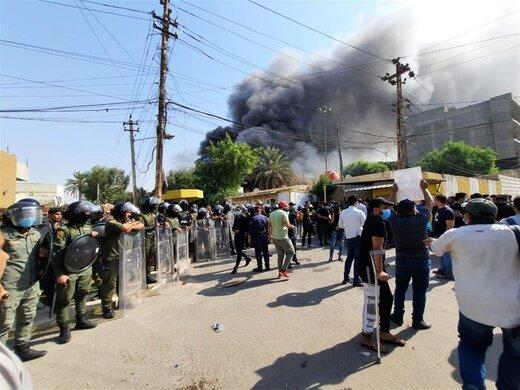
(182, 257)
(165, 271)
(205, 249)
(222, 238)
(81, 254)
(132, 270)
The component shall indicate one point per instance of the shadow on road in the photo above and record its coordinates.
(328, 367)
(309, 298)
(492, 357)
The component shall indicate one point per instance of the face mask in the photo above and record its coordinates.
(26, 223)
(385, 214)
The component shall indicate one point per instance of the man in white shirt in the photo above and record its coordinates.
(486, 266)
(361, 206)
(351, 220)
(515, 219)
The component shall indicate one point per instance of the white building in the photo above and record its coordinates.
(46, 194)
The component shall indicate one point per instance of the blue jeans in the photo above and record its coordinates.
(337, 238)
(446, 264)
(353, 253)
(475, 338)
(416, 269)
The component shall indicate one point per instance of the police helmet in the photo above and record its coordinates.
(227, 207)
(194, 208)
(173, 210)
(81, 211)
(218, 209)
(184, 204)
(202, 213)
(150, 204)
(121, 208)
(25, 213)
(163, 206)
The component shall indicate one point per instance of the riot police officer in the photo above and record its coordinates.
(19, 280)
(124, 221)
(185, 218)
(149, 219)
(72, 285)
(241, 229)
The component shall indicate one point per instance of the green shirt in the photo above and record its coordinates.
(278, 229)
(113, 230)
(20, 271)
(150, 224)
(62, 239)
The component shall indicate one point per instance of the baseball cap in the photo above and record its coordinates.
(480, 208)
(283, 204)
(378, 202)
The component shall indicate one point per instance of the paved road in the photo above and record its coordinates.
(296, 334)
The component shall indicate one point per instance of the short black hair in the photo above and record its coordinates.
(460, 195)
(441, 198)
(351, 200)
(476, 195)
(516, 203)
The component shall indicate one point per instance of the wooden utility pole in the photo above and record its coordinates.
(161, 114)
(131, 130)
(325, 110)
(339, 152)
(397, 80)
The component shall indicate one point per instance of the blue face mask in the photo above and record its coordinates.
(26, 223)
(385, 214)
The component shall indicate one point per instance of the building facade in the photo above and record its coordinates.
(494, 123)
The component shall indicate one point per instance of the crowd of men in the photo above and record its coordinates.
(475, 239)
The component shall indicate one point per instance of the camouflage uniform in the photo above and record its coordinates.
(109, 270)
(78, 286)
(149, 222)
(20, 281)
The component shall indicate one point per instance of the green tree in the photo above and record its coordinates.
(181, 178)
(273, 169)
(77, 184)
(222, 172)
(459, 158)
(319, 183)
(112, 182)
(363, 167)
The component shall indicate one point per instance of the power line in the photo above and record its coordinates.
(117, 7)
(94, 10)
(317, 31)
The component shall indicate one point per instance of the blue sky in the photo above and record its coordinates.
(56, 149)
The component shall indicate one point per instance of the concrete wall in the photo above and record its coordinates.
(7, 179)
(492, 123)
(46, 194)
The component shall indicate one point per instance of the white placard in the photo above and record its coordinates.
(408, 183)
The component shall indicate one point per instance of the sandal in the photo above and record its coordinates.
(395, 341)
(373, 347)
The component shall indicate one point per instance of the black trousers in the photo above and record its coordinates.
(307, 233)
(240, 244)
(386, 299)
(323, 232)
(261, 249)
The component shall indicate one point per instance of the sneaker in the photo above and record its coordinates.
(284, 274)
(258, 270)
(345, 281)
(340, 259)
(330, 259)
(234, 271)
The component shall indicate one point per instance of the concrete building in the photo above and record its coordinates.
(297, 194)
(12, 171)
(46, 194)
(494, 123)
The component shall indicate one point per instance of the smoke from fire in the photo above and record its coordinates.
(286, 104)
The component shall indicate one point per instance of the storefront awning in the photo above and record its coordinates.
(188, 194)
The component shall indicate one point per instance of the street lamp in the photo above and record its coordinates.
(325, 110)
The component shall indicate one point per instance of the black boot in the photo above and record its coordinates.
(64, 336)
(83, 323)
(108, 313)
(25, 353)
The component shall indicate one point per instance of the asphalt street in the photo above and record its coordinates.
(297, 334)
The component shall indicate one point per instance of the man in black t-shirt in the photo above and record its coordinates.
(460, 197)
(323, 221)
(443, 220)
(504, 210)
(373, 238)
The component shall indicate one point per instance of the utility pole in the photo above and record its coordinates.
(339, 152)
(131, 130)
(325, 110)
(397, 80)
(161, 114)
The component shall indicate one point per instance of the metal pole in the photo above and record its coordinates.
(131, 130)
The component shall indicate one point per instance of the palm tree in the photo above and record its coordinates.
(273, 169)
(76, 184)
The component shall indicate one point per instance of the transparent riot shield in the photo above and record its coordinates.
(182, 254)
(165, 270)
(205, 249)
(222, 238)
(132, 270)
